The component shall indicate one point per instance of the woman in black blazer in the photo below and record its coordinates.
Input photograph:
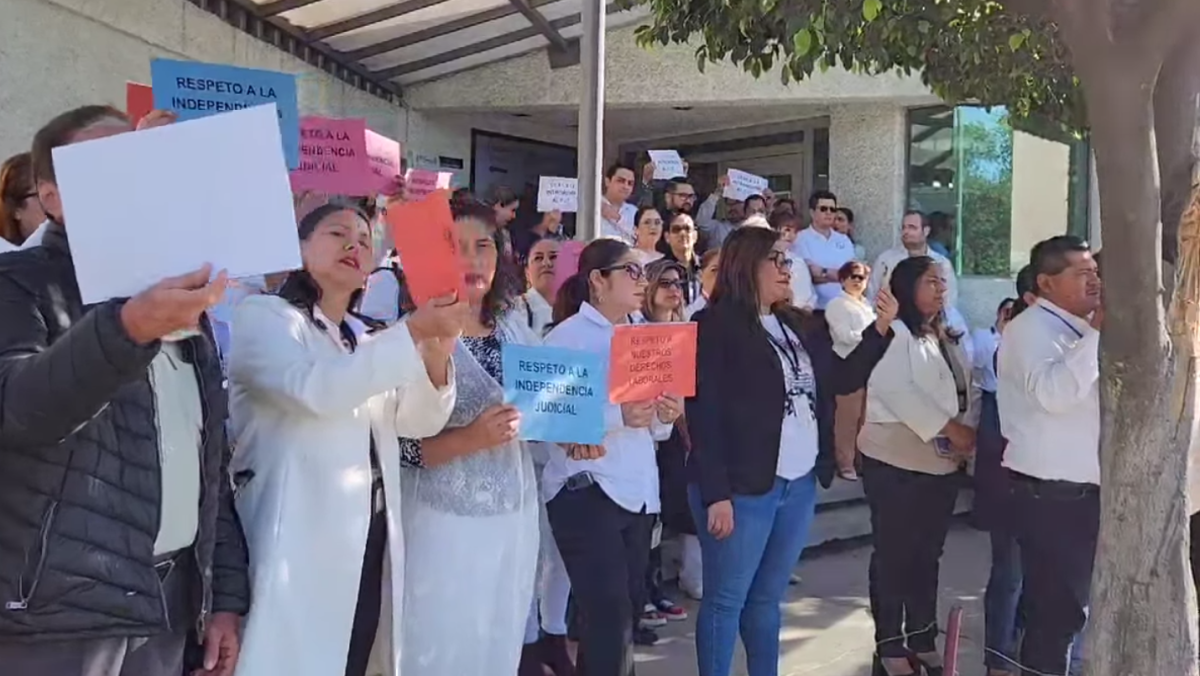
(761, 425)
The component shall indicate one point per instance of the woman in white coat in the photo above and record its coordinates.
(470, 495)
(316, 409)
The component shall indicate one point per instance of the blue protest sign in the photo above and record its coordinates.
(193, 90)
(560, 393)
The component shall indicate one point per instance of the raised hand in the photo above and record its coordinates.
(174, 304)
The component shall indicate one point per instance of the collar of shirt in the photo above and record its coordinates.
(1078, 324)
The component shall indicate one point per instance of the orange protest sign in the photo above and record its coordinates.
(139, 101)
(648, 360)
(425, 237)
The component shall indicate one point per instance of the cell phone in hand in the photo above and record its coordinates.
(943, 447)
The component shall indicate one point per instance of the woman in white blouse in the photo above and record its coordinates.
(919, 429)
(536, 303)
(647, 232)
(316, 407)
(602, 509)
(847, 315)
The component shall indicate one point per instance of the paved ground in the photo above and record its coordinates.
(827, 629)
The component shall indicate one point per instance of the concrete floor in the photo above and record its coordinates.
(827, 629)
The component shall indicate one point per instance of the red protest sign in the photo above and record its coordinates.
(333, 157)
(424, 234)
(139, 101)
(649, 360)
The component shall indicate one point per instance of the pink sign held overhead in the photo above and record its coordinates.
(421, 182)
(384, 156)
(333, 157)
(567, 262)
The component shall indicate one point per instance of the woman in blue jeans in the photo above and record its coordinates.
(762, 428)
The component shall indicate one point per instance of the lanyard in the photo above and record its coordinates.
(1069, 325)
(786, 348)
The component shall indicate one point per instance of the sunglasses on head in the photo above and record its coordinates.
(635, 271)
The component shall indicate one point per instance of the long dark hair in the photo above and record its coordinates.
(737, 273)
(600, 255)
(506, 284)
(905, 278)
(302, 291)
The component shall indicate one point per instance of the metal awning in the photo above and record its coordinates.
(381, 45)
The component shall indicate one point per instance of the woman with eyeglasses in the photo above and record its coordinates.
(21, 215)
(647, 233)
(602, 508)
(919, 429)
(847, 315)
(761, 425)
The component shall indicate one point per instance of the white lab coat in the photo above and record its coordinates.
(303, 407)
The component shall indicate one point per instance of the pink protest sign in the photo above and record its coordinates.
(333, 157)
(384, 155)
(567, 262)
(421, 182)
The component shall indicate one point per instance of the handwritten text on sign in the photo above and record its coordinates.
(667, 164)
(196, 90)
(649, 360)
(559, 392)
(742, 185)
(333, 157)
(557, 194)
(384, 156)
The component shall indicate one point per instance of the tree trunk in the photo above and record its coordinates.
(1143, 614)
(1176, 118)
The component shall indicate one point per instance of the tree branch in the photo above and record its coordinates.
(1164, 23)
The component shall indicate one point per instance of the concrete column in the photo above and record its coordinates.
(591, 118)
(867, 169)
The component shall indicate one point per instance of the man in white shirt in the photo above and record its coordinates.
(617, 214)
(1048, 394)
(914, 241)
(824, 249)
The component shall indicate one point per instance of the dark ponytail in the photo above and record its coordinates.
(601, 254)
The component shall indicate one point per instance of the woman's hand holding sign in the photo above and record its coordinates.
(497, 425)
(638, 414)
(584, 451)
(669, 407)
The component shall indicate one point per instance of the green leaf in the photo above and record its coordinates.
(1015, 41)
(802, 41)
(871, 9)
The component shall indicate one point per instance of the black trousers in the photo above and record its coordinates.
(1057, 523)
(606, 550)
(910, 516)
(370, 597)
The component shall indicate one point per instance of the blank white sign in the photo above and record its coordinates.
(157, 203)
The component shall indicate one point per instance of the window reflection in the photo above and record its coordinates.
(992, 191)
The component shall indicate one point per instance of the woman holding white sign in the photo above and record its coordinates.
(602, 509)
(470, 494)
(316, 408)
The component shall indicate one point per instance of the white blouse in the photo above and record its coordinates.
(847, 317)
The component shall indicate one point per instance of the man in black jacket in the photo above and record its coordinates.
(118, 538)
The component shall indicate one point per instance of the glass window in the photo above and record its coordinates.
(992, 188)
(820, 145)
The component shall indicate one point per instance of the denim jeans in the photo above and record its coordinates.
(1001, 614)
(746, 574)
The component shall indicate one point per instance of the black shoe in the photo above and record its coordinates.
(928, 669)
(645, 637)
(877, 668)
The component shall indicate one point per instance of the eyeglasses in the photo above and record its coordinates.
(780, 259)
(824, 209)
(670, 284)
(635, 271)
(676, 229)
(858, 278)
(684, 195)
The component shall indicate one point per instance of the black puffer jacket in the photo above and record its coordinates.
(79, 466)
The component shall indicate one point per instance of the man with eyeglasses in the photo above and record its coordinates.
(681, 240)
(823, 248)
